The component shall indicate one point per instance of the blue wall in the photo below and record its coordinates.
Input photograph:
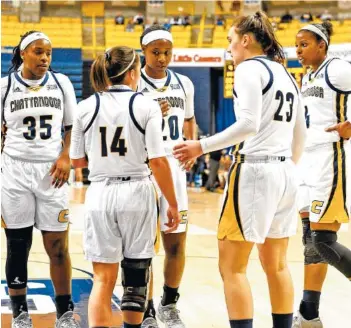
(65, 61)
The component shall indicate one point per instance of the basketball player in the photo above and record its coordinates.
(119, 129)
(325, 177)
(36, 102)
(260, 200)
(159, 83)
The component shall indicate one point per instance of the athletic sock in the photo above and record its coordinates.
(18, 304)
(246, 323)
(63, 304)
(150, 311)
(282, 320)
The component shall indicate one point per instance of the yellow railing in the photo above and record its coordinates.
(94, 47)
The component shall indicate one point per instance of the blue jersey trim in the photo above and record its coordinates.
(131, 113)
(97, 108)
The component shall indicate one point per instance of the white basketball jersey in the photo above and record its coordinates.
(118, 130)
(34, 113)
(173, 89)
(326, 99)
(280, 101)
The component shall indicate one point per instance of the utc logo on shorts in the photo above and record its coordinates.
(183, 217)
(63, 216)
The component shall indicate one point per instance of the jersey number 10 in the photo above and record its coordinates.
(118, 145)
(173, 127)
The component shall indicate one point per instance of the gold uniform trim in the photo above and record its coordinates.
(158, 228)
(3, 224)
(230, 223)
(336, 210)
(63, 216)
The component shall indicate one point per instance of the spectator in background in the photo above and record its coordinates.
(286, 18)
(326, 15)
(215, 158)
(130, 26)
(220, 21)
(177, 20)
(138, 19)
(167, 24)
(186, 20)
(119, 19)
(307, 17)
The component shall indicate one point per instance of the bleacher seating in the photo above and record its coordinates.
(64, 32)
(286, 33)
(116, 35)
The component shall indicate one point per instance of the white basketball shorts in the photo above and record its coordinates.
(28, 198)
(120, 220)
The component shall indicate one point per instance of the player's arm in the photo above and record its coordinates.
(339, 73)
(190, 128)
(77, 151)
(249, 90)
(300, 132)
(61, 168)
(159, 164)
(190, 131)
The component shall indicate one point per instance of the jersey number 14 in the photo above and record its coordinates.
(118, 145)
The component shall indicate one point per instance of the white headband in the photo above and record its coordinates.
(156, 35)
(316, 30)
(31, 38)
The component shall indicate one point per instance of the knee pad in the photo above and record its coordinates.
(19, 243)
(335, 254)
(310, 253)
(135, 277)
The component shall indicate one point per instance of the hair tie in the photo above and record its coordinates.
(107, 55)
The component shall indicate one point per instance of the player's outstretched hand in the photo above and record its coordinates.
(187, 150)
(344, 129)
(60, 171)
(173, 219)
(164, 107)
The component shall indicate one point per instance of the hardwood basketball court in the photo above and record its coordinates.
(202, 301)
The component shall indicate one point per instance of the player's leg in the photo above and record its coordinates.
(315, 269)
(273, 259)
(324, 240)
(100, 226)
(149, 320)
(52, 217)
(99, 308)
(174, 245)
(233, 259)
(18, 211)
(173, 269)
(315, 272)
(239, 228)
(56, 246)
(140, 221)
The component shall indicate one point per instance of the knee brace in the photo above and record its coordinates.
(19, 242)
(310, 253)
(332, 252)
(135, 277)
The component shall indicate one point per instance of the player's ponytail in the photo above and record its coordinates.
(111, 67)
(260, 26)
(16, 58)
